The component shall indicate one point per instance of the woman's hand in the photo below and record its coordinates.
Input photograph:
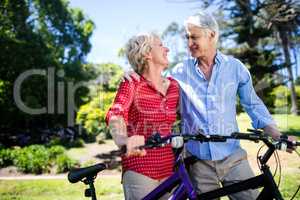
(132, 145)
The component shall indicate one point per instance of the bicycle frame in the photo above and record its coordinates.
(180, 177)
(265, 180)
(186, 190)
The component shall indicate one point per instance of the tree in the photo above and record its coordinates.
(92, 114)
(247, 26)
(49, 36)
(283, 17)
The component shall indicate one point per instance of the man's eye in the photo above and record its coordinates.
(191, 37)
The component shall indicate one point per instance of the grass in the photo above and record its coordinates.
(289, 124)
(108, 188)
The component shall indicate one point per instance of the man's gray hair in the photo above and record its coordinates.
(137, 48)
(204, 20)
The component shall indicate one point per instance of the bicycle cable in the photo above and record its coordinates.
(299, 184)
(257, 155)
(278, 167)
(279, 164)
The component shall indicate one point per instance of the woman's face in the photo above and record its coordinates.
(159, 53)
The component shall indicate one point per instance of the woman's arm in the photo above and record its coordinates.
(117, 127)
(118, 131)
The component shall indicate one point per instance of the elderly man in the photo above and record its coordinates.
(210, 83)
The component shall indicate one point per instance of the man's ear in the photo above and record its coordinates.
(212, 34)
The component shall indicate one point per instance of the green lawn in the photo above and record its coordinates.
(286, 123)
(108, 188)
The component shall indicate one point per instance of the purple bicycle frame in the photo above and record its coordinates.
(181, 178)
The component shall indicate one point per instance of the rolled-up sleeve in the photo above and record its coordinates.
(122, 102)
(252, 104)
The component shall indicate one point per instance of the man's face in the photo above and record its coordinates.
(200, 41)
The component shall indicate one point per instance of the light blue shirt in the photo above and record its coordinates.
(211, 105)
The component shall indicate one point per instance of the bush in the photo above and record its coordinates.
(32, 159)
(92, 115)
(37, 159)
(55, 151)
(64, 163)
(6, 157)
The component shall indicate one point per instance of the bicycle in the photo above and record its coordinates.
(180, 181)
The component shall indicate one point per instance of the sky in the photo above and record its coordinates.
(117, 20)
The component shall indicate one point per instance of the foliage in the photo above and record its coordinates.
(92, 115)
(297, 82)
(282, 100)
(174, 38)
(55, 151)
(6, 157)
(41, 35)
(64, 163)
(109, 76)
(245, 32)
(37, 159)
(32, 159)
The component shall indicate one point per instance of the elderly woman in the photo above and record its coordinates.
(142, 107)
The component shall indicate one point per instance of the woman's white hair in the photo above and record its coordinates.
(137, 48)
(205, 21)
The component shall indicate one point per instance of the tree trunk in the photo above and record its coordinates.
(285, 46)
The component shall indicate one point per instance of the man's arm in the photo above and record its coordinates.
(256, 109)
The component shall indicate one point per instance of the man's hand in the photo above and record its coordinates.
(273, 131)
(132, 145)
(131, 75)
(291, 138)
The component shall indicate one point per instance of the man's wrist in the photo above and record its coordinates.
(273, 131)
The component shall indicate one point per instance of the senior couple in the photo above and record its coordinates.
(204, 88)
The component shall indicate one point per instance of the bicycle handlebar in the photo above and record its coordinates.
(177, 140)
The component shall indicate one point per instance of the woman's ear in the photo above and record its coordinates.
(148, 56)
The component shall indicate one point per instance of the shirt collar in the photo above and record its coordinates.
(218, 59)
